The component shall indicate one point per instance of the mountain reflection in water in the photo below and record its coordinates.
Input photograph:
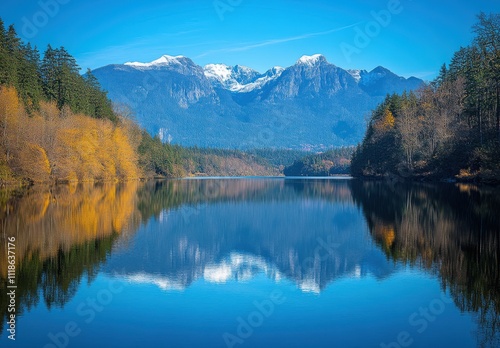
(309, 232)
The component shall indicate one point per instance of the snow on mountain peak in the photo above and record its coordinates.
(355, 73)
(270, 75)
(239, 78)
(311, 60)
(220, 72)
(163, 60)
(243, 69)
(277, 70)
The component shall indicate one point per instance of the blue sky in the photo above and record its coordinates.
(417, 37)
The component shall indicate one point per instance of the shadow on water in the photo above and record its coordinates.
(70, 233)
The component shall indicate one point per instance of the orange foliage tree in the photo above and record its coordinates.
(9, 116)
(62, 146)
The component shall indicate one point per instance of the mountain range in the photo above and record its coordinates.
(310, 105)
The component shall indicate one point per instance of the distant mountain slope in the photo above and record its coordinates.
(310, 105)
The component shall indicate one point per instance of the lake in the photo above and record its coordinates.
(251, 262)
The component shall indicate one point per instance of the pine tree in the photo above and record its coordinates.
(3, 55)
(102, 107)
(442, 76)
(9, 55)
(49, 73)
(487, 41)
(67, 79)
(30, 86)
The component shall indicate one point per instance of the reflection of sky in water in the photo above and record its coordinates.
(193, 268)
(311, 241)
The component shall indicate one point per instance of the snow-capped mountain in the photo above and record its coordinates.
(310, 76)
(239, 78)
(270, 75)
(165, 60)
(317, 104)
(311, 60)
(356, 73)
(179, 64)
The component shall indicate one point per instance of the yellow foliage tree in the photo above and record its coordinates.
(9, 116)
(385, 123)
(388, 121)
(126, 156)
(32, 162)
(62, 145)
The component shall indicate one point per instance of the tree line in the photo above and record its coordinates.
(59, 125)
(450, 128)
(55, 77)
(55, 124)
(331, 162)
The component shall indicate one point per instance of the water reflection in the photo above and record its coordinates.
(62, 235)
(307, 231)
(450, 230)
(310, 232)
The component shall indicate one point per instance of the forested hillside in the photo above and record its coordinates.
(448, 129)
(328, 163)
(57, 125)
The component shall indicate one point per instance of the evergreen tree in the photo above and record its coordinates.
(49, 74)
(4, 79)
(9, 55)
(101, 106)
(442, 76)
(487, 41)
(30, 83)
(453, 127)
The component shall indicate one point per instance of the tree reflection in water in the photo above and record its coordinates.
(66, 233)
(450, 230)
(62, 234)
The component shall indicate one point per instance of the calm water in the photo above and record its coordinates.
(253, 263)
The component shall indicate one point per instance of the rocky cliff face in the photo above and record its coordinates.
(311, 78)
(312, 104)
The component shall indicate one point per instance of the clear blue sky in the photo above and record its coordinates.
(416, 40)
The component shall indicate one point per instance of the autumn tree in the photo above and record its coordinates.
(409, 125)
(56, 124)
(9, 114)
(451, 126)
